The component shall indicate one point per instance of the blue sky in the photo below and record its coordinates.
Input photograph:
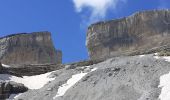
(67, 20)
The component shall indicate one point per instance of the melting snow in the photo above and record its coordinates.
(71, 82)
(32, 82)
(165, 84)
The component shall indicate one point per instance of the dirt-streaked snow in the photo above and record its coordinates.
(32, 82)
(71, 82)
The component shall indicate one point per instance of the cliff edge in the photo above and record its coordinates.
(141, 33)
(29, 48)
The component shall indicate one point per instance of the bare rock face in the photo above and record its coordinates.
(146, 31)
(1, 67)
(28, 48)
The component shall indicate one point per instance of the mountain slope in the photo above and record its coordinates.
(121, 78)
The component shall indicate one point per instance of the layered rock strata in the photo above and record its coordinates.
(29, 48)
(142, 32)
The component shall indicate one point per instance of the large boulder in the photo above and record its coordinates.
(29, 48)
(2, 90)
(7, 88)
(17, 87)
(142, 32)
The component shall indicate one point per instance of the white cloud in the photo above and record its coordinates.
(98, 8)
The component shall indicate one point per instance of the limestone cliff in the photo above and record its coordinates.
(141, 32)
(28, 48)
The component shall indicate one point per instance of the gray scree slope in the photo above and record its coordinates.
(29, 48)
(140, 32)
(120, 78)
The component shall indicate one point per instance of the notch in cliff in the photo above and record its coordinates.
(29, 48)
(140, 33)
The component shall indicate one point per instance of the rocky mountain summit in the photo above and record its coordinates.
(31, 68)
(29, 48)
(141, 33)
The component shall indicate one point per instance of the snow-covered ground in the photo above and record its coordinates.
(164, 81)
(32, 82)
(165, 84)
(71, 82)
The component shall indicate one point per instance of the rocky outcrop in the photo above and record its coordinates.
(31, 69)
(142, 32)
(1, 68)
(17, 87)
(36, 69)
(7, 88)
(29, 48)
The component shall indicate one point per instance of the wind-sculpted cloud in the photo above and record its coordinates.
(97, 8)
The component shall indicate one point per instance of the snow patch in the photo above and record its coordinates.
(7, 66)
(75, 78)
(166, 58)
(156, 57)
(93, 69)
(165, 84)
(141, 56)
(13, 96)
(32, 82)
(156, 54)
(71, 82)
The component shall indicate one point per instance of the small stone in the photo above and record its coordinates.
(87, 70)
(49, 89)
(110, 74)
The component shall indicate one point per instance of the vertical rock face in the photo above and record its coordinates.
(140, 32)
(28, 48)
(59, 56)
